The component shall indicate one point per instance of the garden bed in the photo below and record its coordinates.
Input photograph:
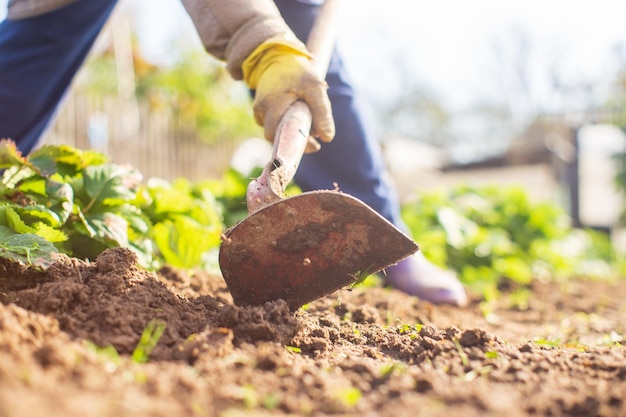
(71, 345)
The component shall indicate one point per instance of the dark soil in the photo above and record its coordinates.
(67, 339)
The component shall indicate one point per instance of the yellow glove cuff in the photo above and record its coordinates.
(267, 53)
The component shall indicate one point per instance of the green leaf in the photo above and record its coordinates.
(15, 222)
(31, 214)
(10, 155)
(60, 199)
(108, 228)
(136, 219)
(33, 185)
(84, 247)
(49, 233)
(44, 161)
(183, 241)
(110, 182)
(144, 248)
(169, 198)
(64, 159)
(27, 249)
(15, 175)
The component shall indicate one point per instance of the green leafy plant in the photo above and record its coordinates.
(493, 235)
(70, 198)
(186, 220)
(75, 202)
(620, 179)
(230, 192)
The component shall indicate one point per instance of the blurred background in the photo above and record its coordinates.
(529, 93)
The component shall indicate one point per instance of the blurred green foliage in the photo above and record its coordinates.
(195, 89)
(620, 179)
(185, 222)
(615, 107)
(493, 235)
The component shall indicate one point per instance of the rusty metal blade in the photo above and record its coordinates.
(307, 246)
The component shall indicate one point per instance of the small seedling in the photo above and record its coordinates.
(271, 401)
(389, 369)
(349, 396)
(250, 396)
(149, 339)
(365, 279)
(293, 349)
(548, 342)
(491, 354)
(412, 331)
(462, 354)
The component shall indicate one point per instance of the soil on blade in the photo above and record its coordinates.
(67, 340)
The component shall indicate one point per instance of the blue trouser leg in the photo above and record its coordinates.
(39, 57)
(353, 160)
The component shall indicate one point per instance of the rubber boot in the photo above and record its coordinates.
(417, 276)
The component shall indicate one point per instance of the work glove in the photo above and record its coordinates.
(281, 73)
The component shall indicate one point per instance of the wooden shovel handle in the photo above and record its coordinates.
(323, 35)
(294, 128)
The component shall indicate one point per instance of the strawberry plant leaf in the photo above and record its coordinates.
(45, 162)
(14, 176)
(27, 249)
(82, 226)
(109, 182)
(83, 247)
(34, 213)
(49, 233)
(109, 228)
(10, 155)
(60, 199)
(33, 186)
(144, 248)
(15, 222)
(65, 160)
(182, 241)
(165, 199)
(96, 232)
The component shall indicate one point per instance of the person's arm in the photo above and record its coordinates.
(258, 47)
(231, 30)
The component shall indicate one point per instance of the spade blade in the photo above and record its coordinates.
(307, 246)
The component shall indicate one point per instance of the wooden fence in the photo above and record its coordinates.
(131, 133)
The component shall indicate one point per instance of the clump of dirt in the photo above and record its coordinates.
(112, 301)
(67, 338)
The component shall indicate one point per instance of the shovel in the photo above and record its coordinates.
(301, 248)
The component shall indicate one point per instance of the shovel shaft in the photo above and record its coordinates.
(294, 128)
(289, 145)
(321, 41)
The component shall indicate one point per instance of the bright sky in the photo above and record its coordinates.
(446, 45)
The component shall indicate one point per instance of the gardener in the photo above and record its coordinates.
(43, 43)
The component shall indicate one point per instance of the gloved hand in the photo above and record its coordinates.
(281, 73)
